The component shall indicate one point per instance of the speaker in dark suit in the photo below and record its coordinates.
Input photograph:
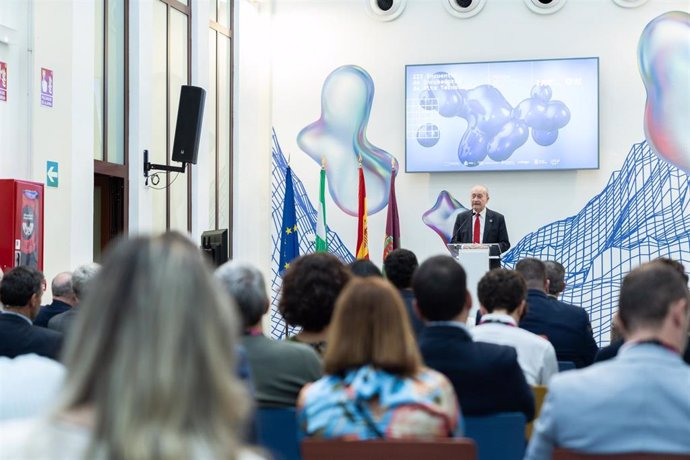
(487, 377)
(190, 114)
(491, 227)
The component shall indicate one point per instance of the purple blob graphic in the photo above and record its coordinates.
(494, 128)
(441, 217)
(428, 135)
(339, 136)
(664, 58)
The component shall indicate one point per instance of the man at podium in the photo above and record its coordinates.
(481, 225)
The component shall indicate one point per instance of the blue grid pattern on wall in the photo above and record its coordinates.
(642, 213)
(306, 224)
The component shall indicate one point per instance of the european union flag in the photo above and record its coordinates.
(289, 239)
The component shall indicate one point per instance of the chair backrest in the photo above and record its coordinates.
(539, 395)
(565, 454)
(389, 449)
(498, 436)
(277, 432)
(566, 366)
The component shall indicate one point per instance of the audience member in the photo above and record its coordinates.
(21, 292)
(29, 385)
(151, 364)
(81, 279)
(375, 385)
(566, 326)
(617, 337)
(63, 299)
(638, 401)
(487, 377)
(399, 267)
(502, 296)
(310, 287)
(555, 274)
(364, 268)
(279, 368)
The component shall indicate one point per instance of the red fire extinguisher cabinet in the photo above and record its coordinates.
(21, 224)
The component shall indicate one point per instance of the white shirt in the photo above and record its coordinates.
(29, 385)
(536, 355)
(43, 439)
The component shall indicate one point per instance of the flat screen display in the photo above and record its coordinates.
(502, 116)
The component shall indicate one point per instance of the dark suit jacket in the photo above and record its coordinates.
(415, 321)
(48, 311)
(487, 377)
(566, 326)
(494, 232)
(18, 337)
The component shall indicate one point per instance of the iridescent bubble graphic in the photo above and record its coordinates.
(664, 58)
(428, 135)
(441, 217)
(494, 128)
(340, 137)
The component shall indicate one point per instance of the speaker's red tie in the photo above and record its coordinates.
(475, 239)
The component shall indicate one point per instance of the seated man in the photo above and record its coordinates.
(63, 299)
(399, 267)
(21, 291)
(638, 401)
(502, 302)
(487, 377)
(567, 327)
(279, 368)
(81, 279)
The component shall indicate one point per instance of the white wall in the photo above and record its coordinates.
(310, 39)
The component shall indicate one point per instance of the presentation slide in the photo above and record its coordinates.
(502, 116)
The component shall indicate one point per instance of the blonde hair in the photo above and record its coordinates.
(153, 354)
(370, 327)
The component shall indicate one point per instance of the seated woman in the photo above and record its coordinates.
(310, 287)
(150, 365)
(375, 385)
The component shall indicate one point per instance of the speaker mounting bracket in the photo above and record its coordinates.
(148, 166)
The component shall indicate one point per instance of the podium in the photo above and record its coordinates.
(474, 258)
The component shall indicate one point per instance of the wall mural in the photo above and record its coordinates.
(642, 213)
(340, 135)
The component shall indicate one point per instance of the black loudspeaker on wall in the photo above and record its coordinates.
(190, 114)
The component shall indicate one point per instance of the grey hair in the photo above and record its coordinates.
(61, 285)
(82, 277)
(153, 353)
(246, 285)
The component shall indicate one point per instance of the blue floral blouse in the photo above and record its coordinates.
(369, 403)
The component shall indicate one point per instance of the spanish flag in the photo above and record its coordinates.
(362, 232)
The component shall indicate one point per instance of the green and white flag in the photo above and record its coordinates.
(321, 244)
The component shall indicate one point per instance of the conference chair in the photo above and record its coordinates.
(566, 366)
(539, 395)
(277, 432)
(389, 449)
(498, 436)
(565, 454)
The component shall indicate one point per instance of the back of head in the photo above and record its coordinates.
(19, 284)
(82, 278)
(555, 273)
(152, 352)
(310, 287)
(245, 284)
(674, 264)
(647, 294)
(370, 327)
(399, 267)
(501, 289)
(364, 268)
(440, 287)
(533, 271)
(61, 286)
